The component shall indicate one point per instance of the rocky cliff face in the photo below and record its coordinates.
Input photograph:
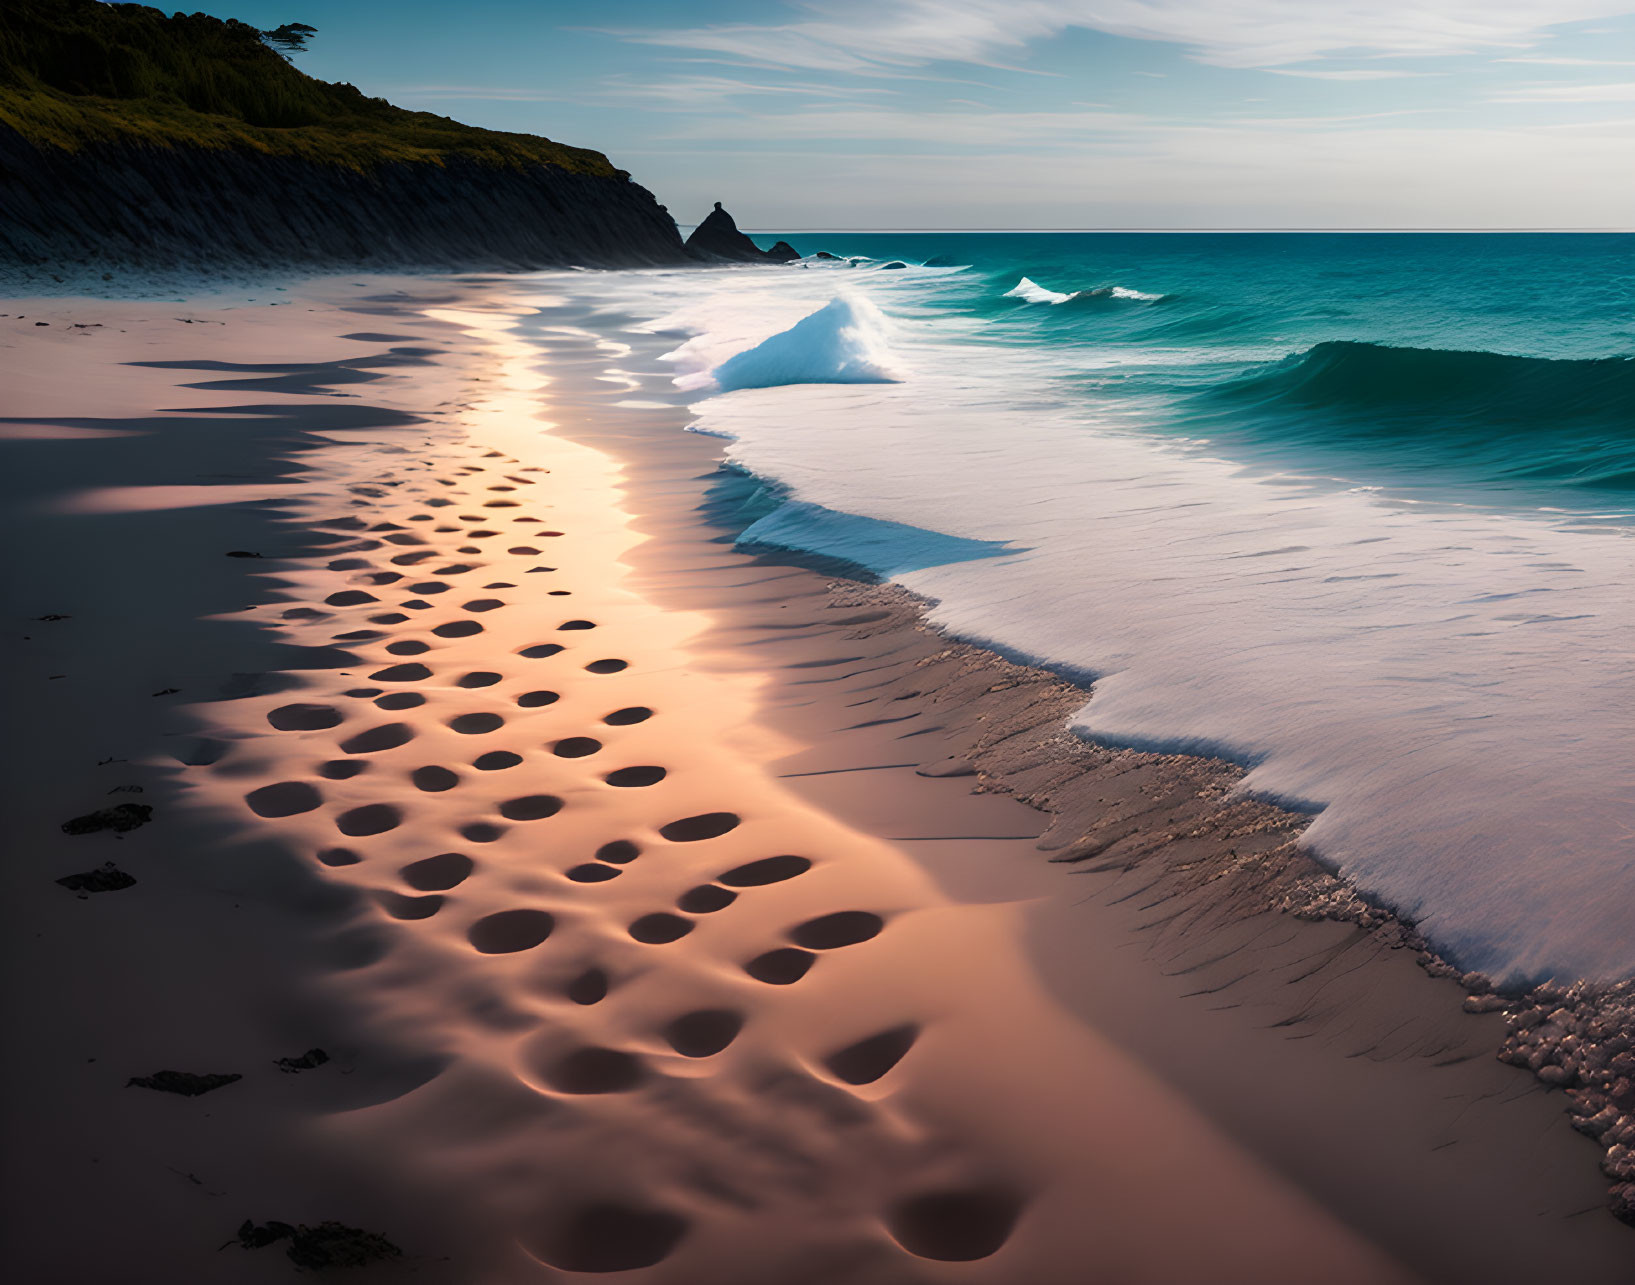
(181, 207)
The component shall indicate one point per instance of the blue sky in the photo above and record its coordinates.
(1038, 113)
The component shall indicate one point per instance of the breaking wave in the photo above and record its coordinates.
(1032, 292)
(843, 342)
(1494, 417)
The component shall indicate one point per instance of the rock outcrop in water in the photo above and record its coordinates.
(718, 237)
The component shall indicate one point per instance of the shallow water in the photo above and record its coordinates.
(1356, 510)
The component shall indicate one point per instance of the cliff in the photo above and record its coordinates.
(134, 139)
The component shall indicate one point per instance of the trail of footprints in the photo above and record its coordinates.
(409, 582)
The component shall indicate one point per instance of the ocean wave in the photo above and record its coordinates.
(1032, 292)
(843, 342)
(1494, 386)
(1487, 416)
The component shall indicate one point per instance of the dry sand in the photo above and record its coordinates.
(642, 895)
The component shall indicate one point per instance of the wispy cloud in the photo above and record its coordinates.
(1362, 73)
(877, 36)
(957, 129)
(712, 93)
(1571, 62)
(1619, 93)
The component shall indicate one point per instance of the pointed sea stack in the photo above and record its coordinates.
(718, 237)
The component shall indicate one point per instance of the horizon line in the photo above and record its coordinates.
(1507, 231)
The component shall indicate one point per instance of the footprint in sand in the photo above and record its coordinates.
(707, 825)
(595, 1070)
(540, 651)
(438, 874)
(660, 928)
(610, 1237)
(620, 852)
(533, 700)
(400, 700)
(635, 777)
(458, 629)
(479, 678)
(372, 818)
(476, 724)
(705, 899)
(831, 932)
(869, 1059)
(576, 747)
(285, 799)
(399, 906)
(532, 807)
(589, 987)
(410, 673)
(386, 737)
(703, 1033)
(781, 967)
(508, 931)
(341, 769)
(304, 718)
(606, 666)
(955, 1226)
(627, 716)
(756, 874)
(434, 780)
(593, 872)
(496, 761)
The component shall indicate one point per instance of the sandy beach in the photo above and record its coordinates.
(543, 885)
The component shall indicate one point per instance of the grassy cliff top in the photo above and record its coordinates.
(74, 72)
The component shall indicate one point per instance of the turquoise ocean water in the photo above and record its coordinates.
(1357, 511)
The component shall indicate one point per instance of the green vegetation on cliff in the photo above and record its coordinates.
(74, 72)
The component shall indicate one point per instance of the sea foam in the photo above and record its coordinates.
(1445, 685)
(1032, 292)
(843, 342)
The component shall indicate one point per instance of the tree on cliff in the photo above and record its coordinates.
(289, 39)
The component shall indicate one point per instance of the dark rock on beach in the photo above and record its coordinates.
(183, 1082)
(329, 1244)
(309, 1060)
(106, 878)
(123, 817)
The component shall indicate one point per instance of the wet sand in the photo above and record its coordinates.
(658, 909)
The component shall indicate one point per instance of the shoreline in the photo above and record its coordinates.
(1011, 736)
(715, 617)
